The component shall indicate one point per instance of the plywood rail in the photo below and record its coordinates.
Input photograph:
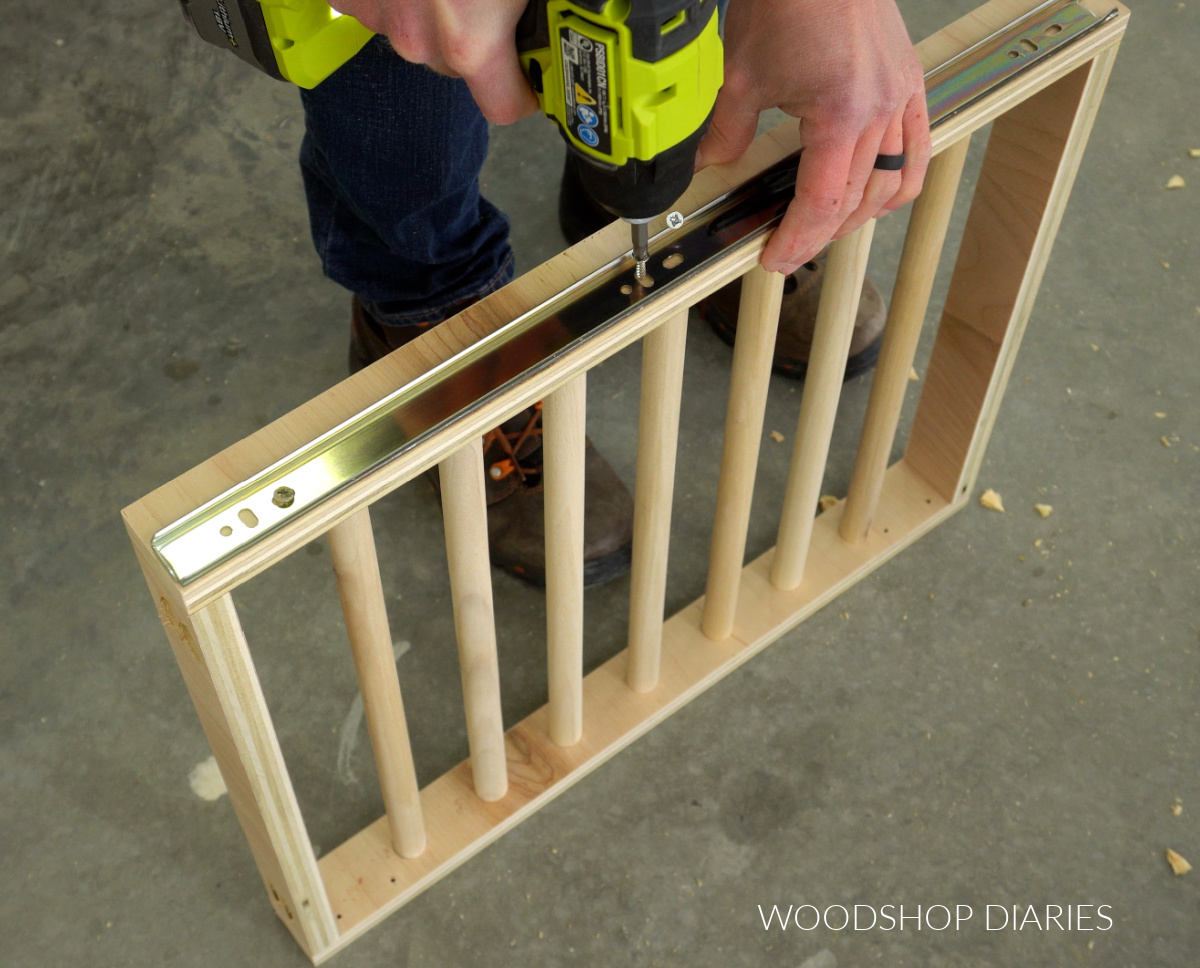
(1042, 121)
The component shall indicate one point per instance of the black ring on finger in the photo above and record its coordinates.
(890, 162)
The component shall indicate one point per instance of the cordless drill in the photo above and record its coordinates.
(630, 83)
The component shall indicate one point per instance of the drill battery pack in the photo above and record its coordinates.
(301, 41)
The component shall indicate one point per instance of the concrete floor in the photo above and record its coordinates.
(982, 722)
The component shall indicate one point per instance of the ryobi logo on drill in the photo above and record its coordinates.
(221, 16)
(585, 84)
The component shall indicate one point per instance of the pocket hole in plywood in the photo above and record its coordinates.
(672, 261)
(248, 518)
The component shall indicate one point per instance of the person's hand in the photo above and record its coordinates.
(848, 71)
(471, 39)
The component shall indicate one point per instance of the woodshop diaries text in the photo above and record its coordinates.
(939, 917)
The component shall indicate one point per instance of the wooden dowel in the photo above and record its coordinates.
(910, 300)
(658, 433)
(758, 320)
(844, 274)
(564, 415)
(464, 508)
(352, 548)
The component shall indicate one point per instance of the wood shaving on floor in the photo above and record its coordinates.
(206, 780)
(991, 500)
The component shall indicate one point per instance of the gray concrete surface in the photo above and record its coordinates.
(982, 722)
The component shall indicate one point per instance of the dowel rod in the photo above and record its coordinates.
(564, 415)
(840, 294)
(658, 433)
(352, 548)
(910, 301)
(464, 508)
(758, 320)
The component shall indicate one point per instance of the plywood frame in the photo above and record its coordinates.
(1042, 122)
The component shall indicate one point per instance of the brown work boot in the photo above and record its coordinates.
(371, 340)
(798, 318)
(512, 458)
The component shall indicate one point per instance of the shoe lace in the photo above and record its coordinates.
(511, 442)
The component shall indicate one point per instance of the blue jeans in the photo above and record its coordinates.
(391, 159)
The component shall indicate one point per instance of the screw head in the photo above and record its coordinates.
(284, 497)
(674, 220)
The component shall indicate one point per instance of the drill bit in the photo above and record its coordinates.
(640, 230)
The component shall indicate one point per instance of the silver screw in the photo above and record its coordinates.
(674, 220)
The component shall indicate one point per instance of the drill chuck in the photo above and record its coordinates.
(641, 244)
(643, 189)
